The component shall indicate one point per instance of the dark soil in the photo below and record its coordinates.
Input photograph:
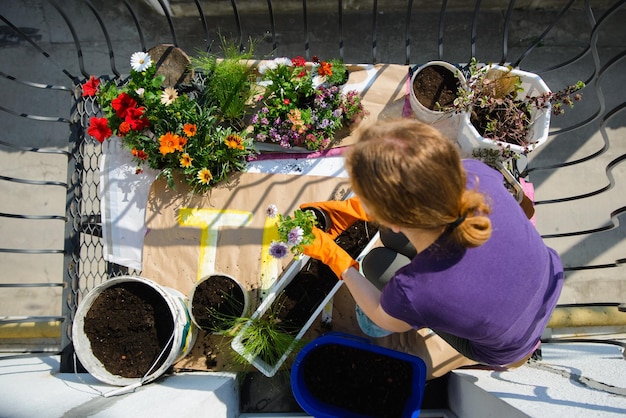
(129, 325)
(359, 381)
(435, 87)
(216, 301)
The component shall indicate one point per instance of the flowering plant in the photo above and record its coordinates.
(295, 232)
(166, 129)
(497, 109)
(293, 112)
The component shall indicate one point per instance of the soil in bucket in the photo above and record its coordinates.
(359, 381)
(216, 301)
(128, 326)
(435, 87)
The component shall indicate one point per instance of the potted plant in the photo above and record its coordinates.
(508, 110)
(166, 128)
(293, 113)
(227, 83)
(295, 301)
(216, 301)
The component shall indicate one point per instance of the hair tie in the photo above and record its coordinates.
(457, 222)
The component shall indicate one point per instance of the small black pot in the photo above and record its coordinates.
(323, 221)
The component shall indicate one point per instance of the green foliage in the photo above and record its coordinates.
(297, 231)
(229, 84)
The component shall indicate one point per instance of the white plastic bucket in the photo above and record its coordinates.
(183, 335)
(446, 122)
(469, 139)
(246, 298)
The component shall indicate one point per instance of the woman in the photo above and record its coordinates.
(475, 271)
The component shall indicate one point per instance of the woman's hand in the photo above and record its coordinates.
(325, 249)
(342, 213)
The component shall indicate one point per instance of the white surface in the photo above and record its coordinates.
(572, 380)
(30, 387)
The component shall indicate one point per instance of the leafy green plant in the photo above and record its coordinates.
(228, 81)
(295, 232)
(267, 337)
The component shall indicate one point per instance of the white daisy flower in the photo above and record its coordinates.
(140, 61)
(168, 96)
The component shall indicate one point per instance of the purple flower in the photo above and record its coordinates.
(337, 113)
(278, 249)
(264, 121)
(255, 118)
(294, 237)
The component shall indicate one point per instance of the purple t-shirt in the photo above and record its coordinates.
(499, 296)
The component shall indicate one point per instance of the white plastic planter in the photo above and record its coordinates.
(183, 335)
(447, 122)
(270, 370)
(469, 139)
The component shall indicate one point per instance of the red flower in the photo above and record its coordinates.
(99, 128)
(134, 118)
(90, 88)
(122, 103)
(298, 61)
(286, 101)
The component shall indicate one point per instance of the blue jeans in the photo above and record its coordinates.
(369, 327)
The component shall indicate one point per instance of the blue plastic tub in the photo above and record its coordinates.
(320, 409)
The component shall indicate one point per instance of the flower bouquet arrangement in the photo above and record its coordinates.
(295, 232)
(165, 128)
(293, 111)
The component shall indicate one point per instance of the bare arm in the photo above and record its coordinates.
(367, 296)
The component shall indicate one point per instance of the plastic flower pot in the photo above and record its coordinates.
(216, 302)
(340, 375)
(446, 121)
(469, 139)
(170, 317)
(323, 221)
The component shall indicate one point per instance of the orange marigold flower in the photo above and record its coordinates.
(169, 143)
(139, 154)
(182, 141)
(325, 69)
(234, 141)
(190, 129)
(185, 160)
(123, 129)
(205, 176)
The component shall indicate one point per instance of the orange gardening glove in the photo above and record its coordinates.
(342, 213)
(325, 249)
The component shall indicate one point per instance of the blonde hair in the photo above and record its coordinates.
(407, 174)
